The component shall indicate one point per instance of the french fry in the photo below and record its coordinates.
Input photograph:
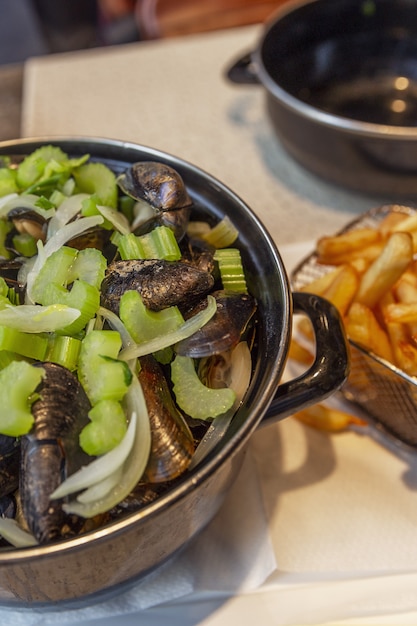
(369, 254)
(403, 357)
(326, 418)
(362, 327)
(401, 312)
(360, 264)
(319, 285)
(331, 249)
(382, 274)
(391, 221)
(343, 289)
(373, 284)
(406, 291)
(406, 225)
(407, 357)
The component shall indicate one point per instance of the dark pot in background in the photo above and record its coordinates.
(341, 89)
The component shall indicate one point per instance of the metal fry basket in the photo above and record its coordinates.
(385, 393)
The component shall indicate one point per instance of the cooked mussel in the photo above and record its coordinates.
(9, 464)
(160, 283)
(28, 221)
(51, 452)
(198, 253)
(161, 188)
(224, 330)
(172, 444)
(9, 271)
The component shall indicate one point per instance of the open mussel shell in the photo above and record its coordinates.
(224, 330)
(158, 184)
(28, 221)
(160, 187)
(172, 443)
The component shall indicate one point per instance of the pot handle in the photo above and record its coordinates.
(331, 365)
(243, 71)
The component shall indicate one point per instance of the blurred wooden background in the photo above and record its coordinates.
(146, 19)
(173, 18)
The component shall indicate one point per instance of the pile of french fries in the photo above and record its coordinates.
(372, 282)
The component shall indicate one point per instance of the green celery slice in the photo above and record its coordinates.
(25, 244)
(64, 350)
(49, 286)
(89, 265)
(98, 179)
(144, 324)
(82, 296)
(33, 166)
(55, 270)
(8, 181)
(159, 243)
(101, 373)
(5, 228)
(231, 269)
(194, 398)
(18, 382)
(26, 344)
(106, 430)
(223, 235)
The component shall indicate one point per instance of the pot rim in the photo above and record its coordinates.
(255, 413)
(336, 122)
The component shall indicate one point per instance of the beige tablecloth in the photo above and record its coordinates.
(340, 511)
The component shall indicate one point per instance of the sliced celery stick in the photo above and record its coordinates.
(194, 398)
(97, 178)
(106, 430)
(102, 375)
(144, 324)
(18, 382)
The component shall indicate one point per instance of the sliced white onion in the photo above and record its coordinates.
(4, 203)
(67, 232)
(142, 211)
(27, 201)
(116, 218)
(69, 208)
(241, 370)
(116, 323)
(168, 339)
(15, 534)
(100, 489)
(213, 435)
(102, 467)
(34, 318)
(135, 464)
(26, 267)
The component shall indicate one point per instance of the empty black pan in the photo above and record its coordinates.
(340, 78)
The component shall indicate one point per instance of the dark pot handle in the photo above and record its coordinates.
(331, 365)
(243, 71)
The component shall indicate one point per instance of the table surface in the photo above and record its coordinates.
(341, 511)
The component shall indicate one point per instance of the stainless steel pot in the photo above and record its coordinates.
(102, 562)
(341, 89)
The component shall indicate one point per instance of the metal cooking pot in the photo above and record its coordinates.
(106, 560)
(341, 89)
